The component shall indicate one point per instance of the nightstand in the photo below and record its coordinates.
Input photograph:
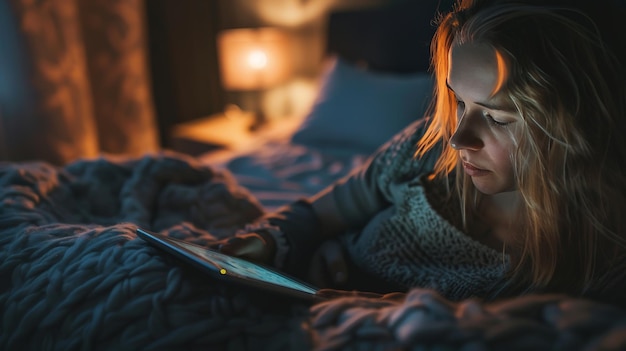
(228, 131)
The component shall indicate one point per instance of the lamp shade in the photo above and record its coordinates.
(253, 58)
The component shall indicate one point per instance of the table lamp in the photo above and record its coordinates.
(254, 59)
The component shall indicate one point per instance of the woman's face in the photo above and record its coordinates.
(488, 125)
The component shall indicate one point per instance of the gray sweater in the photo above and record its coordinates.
(398, 227)
(394, 231)
(410, 239)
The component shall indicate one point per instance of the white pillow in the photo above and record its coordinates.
(360, 110)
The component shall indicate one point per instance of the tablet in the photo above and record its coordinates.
(230, 268)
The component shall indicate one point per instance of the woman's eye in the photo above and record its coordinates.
(493, 121)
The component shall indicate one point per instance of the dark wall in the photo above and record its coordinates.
(183, 60)
(183, 54)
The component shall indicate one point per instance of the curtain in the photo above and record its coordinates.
(74, 80)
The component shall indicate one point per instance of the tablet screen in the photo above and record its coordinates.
(237, 266)
(230, 267)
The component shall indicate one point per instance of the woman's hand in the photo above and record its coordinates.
(258, 247)
(329, 267)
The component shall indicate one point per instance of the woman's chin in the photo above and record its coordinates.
(490, 187)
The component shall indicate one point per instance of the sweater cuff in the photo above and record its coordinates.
(297, 234)
(263, 228)
(298, 227)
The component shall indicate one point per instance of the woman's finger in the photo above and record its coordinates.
(335, 261)
(250, 246)
(328, 266)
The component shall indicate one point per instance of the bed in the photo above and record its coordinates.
(76, 277)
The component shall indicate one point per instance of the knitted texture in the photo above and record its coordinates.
(76, 277)
(415, 247)
(410, 243)
(396, 161)
(423, 320)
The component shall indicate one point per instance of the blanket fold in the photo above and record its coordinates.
(76, 277)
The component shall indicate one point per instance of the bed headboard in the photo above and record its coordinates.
(398, 35)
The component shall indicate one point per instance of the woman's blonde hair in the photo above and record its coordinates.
(567, 83)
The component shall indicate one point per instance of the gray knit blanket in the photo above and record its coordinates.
(74, 276)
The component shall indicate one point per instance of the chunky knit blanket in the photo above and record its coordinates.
(74, 276)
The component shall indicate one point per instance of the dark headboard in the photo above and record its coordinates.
(398, 35)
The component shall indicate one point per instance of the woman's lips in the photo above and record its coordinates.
(474, 171)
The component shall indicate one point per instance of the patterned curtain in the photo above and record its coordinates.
(74, 80)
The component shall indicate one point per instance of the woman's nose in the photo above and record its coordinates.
(466, 136)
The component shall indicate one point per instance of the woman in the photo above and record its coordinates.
(515, 183)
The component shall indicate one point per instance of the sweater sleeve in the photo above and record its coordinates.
(351, 202)
(299, 228)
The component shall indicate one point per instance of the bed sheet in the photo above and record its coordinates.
(279, 171)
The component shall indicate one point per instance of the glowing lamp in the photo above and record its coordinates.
(253, 58)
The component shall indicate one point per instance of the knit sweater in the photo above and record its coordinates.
(397, 235)
(404, 231)
(412, 242)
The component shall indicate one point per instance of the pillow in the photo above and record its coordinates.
(360, 110)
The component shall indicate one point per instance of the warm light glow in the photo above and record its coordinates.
(257, 59)
(503, 73)
(252, 59)
(292, 12)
